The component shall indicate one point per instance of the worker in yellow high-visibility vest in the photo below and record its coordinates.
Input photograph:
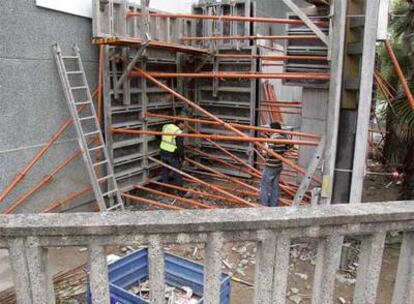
(172, 153)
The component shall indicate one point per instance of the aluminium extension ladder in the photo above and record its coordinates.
(94, 151)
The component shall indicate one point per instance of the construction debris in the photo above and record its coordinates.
(183, 295)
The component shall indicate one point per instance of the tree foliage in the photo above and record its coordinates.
(399, 144)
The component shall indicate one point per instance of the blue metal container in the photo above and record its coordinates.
(133, 268)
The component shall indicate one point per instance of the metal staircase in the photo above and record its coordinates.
(95, 154)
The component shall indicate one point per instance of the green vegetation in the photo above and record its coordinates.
(399, 142)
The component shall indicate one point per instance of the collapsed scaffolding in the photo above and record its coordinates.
(117, 63)
(160, 54)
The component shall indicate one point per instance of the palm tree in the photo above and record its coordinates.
(399, 142)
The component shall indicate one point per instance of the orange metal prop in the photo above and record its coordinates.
(178, 198)
(21, 175)
(217, 137)
(399, 73)
(279, 37)
(227, 18)
(150, 202)
(238, 75)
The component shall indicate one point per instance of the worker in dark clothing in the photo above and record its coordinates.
(269, 187)
(172, 153)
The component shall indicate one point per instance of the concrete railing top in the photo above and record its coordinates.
(199, 221)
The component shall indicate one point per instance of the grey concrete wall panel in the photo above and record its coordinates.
(32, 102)
(311, 126)
(273, 9)
(315, 104)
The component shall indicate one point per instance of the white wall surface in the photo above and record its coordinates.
(84, 7)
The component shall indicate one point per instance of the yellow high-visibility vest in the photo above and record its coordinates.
(168, 142)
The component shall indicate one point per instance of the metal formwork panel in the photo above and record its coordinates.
(231, 100)
(208, 28)
(109, 20)
(126, 109)
(298, 47)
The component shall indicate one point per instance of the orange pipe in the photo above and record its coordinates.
(239, 191)
(288, 103)
(224, 124)
(150, 202)
(175, 197)
(282, 105)
(39, 185)
(279, 37)
(274, 49)
(249, 169)
(227, 18)
(271, 57)
(277, 111)
(236, 125)
(238, 75)
(44, 181)
(67, 200)
(22, 174)
(227, 194)
(221, 161)
(399, 73)
(222, 175)
(198, 193)
(216, 137)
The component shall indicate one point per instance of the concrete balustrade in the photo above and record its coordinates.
(28, 237)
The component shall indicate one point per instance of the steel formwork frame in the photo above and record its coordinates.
(148, 58)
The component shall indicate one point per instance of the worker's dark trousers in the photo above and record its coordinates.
(168, 176)
(269, 187)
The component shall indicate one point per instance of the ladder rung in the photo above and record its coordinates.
(69, 57)
(117, 206)
(110, 192)
(96, 148)
(91, 133)
(79, 88)
(105, 178)
(82, 103)
(87, 118)
(100, 163)
(74, 72)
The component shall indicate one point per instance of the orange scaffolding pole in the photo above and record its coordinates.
(236, 125)
(198, 193)
(217, 137)
(150, 202)
(67, 200)
(239, 200)
(294, 106)
(222, 175)
(278, 37)
(43, 182)
(271, 57)
(238, 75)
(270, 48)
(221, 161)
(21, 175)
(223, 123)
(226, 18)
(175, 197)
(399, 73)
(278, 111)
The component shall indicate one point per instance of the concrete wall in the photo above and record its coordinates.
(315, 106)
(32, 105)
(273, 9)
